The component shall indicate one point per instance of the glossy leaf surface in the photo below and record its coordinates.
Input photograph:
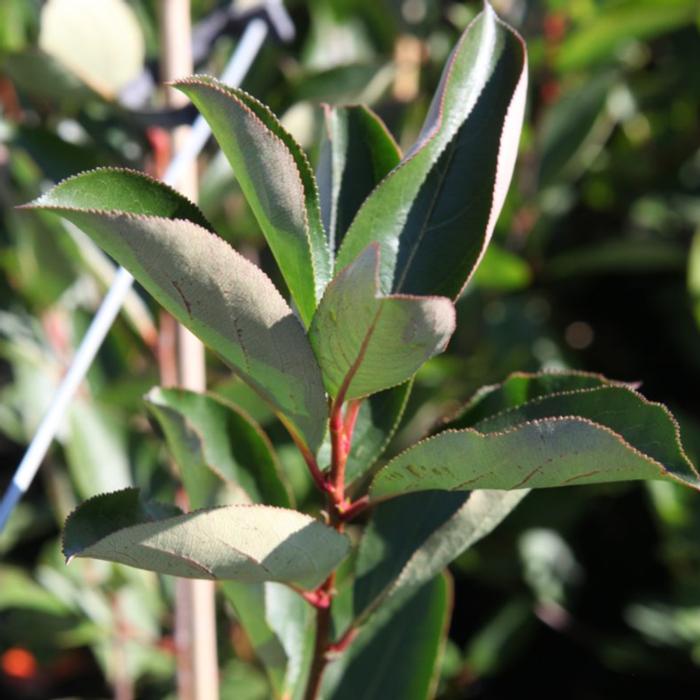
(356, 154)
(434, 214)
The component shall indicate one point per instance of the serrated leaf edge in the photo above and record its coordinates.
(297, 154)
(534, 423)
(590, 390)
(237, 506)
(41, 203)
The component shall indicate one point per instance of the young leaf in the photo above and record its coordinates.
(581, 437)
(397, 656)
(199, 278)
(412, 538)
(209, 437)
(434, 214)
(248, 543)
(278, 183)
(357, 152)
(366, 342)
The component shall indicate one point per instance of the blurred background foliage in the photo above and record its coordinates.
(583, 592)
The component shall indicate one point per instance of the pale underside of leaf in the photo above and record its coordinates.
(366, 342)
(221, 297)
(247, 543)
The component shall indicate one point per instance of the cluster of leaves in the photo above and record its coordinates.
(223, 440)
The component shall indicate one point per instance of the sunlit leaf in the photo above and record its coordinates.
(278, 183)
(366, 342)
(434, 214)
(597, 435)
(209, 287)
(247, 543)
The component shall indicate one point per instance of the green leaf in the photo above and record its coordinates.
(214, 442)
(569, 125)
(248, 543)
(277, 181)
(96, 449)
(366, 342)
(694, 275)
(434, 214)
(101, 43)
(119, 191)
(521, 387)
(357, 152)
(649, 427)
(502, 271)
(210, 288)
(412, 538)
(397, 656)
(293, 621)
(611, 27)
(248, 600)
(377, 421)
(580, 437)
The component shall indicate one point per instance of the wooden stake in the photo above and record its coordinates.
(195, 612)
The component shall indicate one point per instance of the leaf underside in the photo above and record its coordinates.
(199, 278)
(248, 543)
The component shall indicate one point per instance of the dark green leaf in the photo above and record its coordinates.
(397, 655)
(521, 387)
(248, 600)
(376, 423)
(412, 538)
(210, 438)
(567, 124)
(357, 152)
(434, 214)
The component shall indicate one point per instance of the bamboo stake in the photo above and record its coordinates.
(195, 610)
